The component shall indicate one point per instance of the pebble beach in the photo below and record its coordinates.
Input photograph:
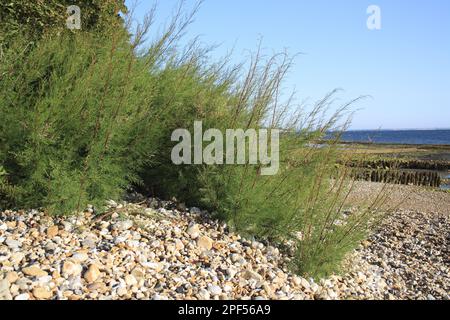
(156, 250)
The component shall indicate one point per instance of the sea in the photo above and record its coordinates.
(420, 137)
(428, 137)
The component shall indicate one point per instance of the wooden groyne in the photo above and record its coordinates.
(419, 178)
(438, 165)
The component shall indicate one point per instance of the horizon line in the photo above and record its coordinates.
(399, 129)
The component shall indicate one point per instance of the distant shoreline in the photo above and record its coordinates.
(397, 144)
(436, 137)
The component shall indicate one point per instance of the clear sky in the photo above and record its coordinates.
(404, 67)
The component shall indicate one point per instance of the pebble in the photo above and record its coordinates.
(41, 293)
(193, 231)
(23, 296)
(250, 274)
(5, 294)
(92, 274)
(214, 290)
(71, 268)
(34, 271)
(205, 243)
(52, 232)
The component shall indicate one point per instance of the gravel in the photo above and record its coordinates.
(156, 250)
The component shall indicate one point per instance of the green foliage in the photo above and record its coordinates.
(301, 205)
(71, 113)
(87, 115)
(36, 18)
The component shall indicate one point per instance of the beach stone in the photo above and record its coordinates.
(203, 294)
(52, 231)
(214, 290)
(12, 277)
(195, 210)
(98, 286)
(154, 265)
(92, 274)
(13, 244)
(227, 288)
(71, 268)
(23, 296)
(179, 245)
(193, 231)
(80, 257)
(138, 274)
(111, 204)
(5, 294)
(17, 257)
(250, 274)
(130, 280)
(122, 291)
(11, 224)
(205, 243)
(41, 293)
(90, 242)
(123, 225)
(34, 271)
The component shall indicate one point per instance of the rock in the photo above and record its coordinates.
(158, 297)
(97, 286)
(231, 272)
(250, 274)
(67, 226)
(227, 288)
(361, 277)
(237, 258)
(111, 204)
(80, 257)
(13, 244)
(71, 268)
(52, 231)
(193, 231)
(5, 294)
(90, 242)
(130, 280)
(41, 293)
(195, 210)
(205, 243)
(204, 294)
(123, 225)
(12, 277)
(157, 266)
(214, 290)
(17, 257)
(304, 283)
(11, 224)
(179, 245)
(122, 291)
(138, 274)
(34, 271)
(92, 274)
(23, 296)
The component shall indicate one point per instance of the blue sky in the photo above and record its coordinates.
(404, 67)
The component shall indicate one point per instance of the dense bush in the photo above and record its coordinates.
(36, 18)
(87, 115)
